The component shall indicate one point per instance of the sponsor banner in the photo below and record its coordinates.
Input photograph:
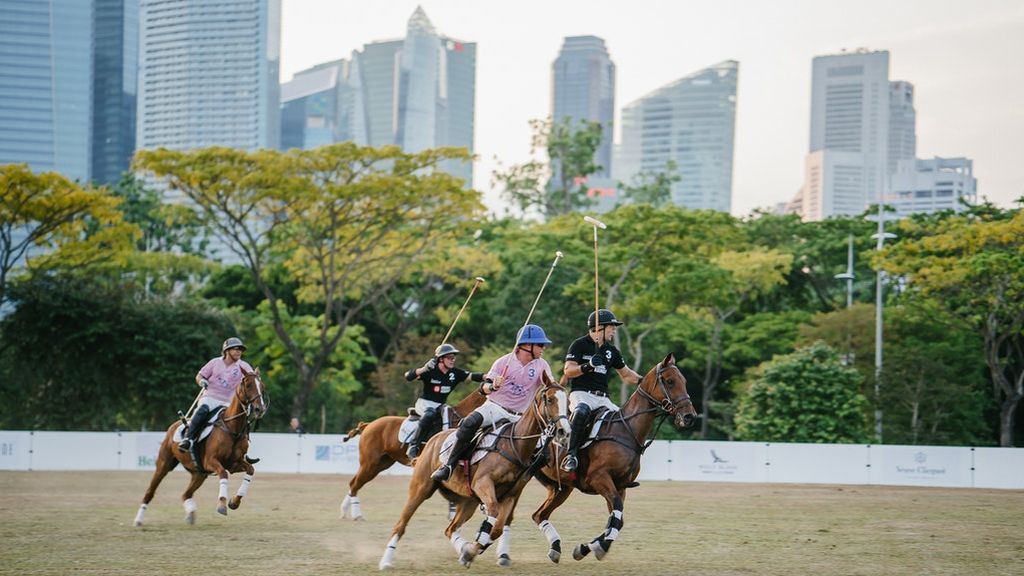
(140, 449)
(999, 468)
(277, 452)
(327, 454)
(719, 461)
(920, 465)
(75, 450)
(818, 463)
(15, 450)
(656, 463)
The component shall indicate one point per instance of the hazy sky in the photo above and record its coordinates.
(965, 59)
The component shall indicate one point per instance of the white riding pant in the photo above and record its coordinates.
(593, 400)
(492, 412)
(422, 405)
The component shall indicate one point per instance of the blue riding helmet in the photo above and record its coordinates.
(531, 334)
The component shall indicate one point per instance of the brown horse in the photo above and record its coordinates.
(380, 448)
(496, 481)
(612, 461)
(223, 452)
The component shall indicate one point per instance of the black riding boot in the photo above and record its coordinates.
(578, 423)
(423, 433)
(463, 438)
(195, 425)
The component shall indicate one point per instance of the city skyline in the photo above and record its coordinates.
(956, 55)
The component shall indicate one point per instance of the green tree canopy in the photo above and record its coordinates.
(806, 396)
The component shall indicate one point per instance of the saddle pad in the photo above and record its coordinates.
(480, 450)
(599, 422)
(206, 429)
(407, 431)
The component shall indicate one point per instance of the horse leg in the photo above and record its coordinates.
(243, 489)
(165, 462)
(368, 470)
(556, 497)
(187, 501)
(421, 487)
(505, 539)
(464, 510)
(484, 490)
(600, 546)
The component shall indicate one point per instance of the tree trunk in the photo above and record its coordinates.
(1006, 412)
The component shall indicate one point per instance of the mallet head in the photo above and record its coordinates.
(594, 222)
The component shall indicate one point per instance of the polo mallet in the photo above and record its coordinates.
(596, 224)
(558, 255)
(479, 280)
(184, 417)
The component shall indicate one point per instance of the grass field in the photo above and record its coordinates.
(81, 523)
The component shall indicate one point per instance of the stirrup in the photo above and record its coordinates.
(413, 451)
(441, 474)
(185, 445)
(569, 463)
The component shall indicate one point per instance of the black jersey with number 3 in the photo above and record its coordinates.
(580, 352)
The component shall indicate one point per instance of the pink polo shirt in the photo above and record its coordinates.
(223, 379)
(521, 381)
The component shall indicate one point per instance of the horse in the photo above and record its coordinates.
(380, 448)
(496, 481)
(612, 462)
(223, 452)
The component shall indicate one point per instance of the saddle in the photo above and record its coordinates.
(482, 443)
(597, 420)
(207, 429)
(407, 431)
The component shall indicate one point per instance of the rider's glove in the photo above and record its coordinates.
(430, 365)
(204, 383)
(597, 364)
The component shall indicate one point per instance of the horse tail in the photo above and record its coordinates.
(355, 431)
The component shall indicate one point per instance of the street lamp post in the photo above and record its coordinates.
(848, 275)
(881, 236)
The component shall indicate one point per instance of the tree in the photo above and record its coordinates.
(974, 265)
(557, 186)
(651, 187)
(346, 222)
(48, 221)
(806, 396)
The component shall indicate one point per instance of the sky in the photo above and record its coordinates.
(964, 58)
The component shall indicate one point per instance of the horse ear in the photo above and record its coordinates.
(669, 360)
(546, 378)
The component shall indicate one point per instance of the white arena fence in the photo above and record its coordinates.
(683, 460)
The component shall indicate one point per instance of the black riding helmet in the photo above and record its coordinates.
(444, 350)
(606, 318)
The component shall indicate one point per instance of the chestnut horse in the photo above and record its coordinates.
(612, 461)
(223, 452)
(496, 481)
(380, 448)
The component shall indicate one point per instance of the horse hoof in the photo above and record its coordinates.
(599, 552)
(357, 518)
(138, 524)
(222, 510)
(385, 565)
(190, 518)
(580, 551)
(235, 503)
(469, 551)
(504, 561)
(554, 555)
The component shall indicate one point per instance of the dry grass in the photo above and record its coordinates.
(81, 523)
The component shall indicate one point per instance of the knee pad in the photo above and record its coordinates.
(470, 424)
(582, 412)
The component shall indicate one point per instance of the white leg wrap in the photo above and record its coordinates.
(224, 488)
(244, 488)
(140, 514)
(345, 505)
(484, 537)
(357, 511)
(191, 506)
(613, 533)
(457, 542)
(389, 553)
(549, 531)
(505, 541)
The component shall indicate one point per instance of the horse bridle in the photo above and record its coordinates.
(667, 404)
(247, 402)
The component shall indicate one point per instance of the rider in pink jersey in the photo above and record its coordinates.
(219, 379)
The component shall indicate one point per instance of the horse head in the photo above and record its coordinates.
(252, 394)
(552, 405)
(665, 387)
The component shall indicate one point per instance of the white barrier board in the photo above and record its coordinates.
(818, 463)
(719, 461)
(15, 450)
(920, 465)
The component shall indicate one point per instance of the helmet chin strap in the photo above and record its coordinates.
(523, 347)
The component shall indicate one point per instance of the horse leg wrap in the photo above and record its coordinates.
(345, 505)
(457, 542)
(484, 536)
(244, 488)
(549, 532)
(191, 506)
(389, 553)
(140, 514)
(611, 532)
(223, 495)
(505, 541)
(600, 547)
(357, 511)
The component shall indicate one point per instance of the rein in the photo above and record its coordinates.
(667, 407)
(527, 469)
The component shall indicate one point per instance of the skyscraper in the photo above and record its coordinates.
(848, 164)
(583, 88)
(690, 122)
(902, 124)
(417, 93)
(208, 74)
(322, 105)
(115, 65)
